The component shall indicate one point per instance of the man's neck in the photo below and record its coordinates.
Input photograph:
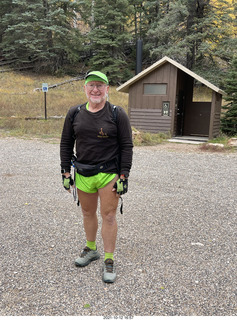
(94, 107)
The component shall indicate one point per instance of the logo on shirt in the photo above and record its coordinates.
(102, 134)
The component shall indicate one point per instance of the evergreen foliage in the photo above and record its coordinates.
(109, 38)
(40, 32)
(164, 38)
(97, 34)
(216, 40)
(229, 119)
(198, 34)
(5, 8)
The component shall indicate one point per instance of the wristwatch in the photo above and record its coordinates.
(124, 175)
(63, 171)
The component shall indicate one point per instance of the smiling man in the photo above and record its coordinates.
(96, 91)
(103, 138)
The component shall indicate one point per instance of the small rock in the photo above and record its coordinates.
(197, 244)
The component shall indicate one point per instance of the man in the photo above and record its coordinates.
(103, 160)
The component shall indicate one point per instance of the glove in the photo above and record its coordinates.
(67, 182)
(121, 186)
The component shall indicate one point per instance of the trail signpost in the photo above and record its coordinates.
(45, 89)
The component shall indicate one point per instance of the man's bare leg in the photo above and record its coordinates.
(88, 203)
(89, 206)
(108, 207)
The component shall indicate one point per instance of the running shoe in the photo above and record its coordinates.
(86, 257)
(109, 273)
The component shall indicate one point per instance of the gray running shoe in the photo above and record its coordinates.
(109, 273)
(86, 257)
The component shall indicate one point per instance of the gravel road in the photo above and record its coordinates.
(176, 248)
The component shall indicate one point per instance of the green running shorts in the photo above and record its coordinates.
(93, 183)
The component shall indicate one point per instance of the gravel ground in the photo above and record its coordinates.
(176, 248)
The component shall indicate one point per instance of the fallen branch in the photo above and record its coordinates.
(32, 118)
(4, 62)
(61, 83)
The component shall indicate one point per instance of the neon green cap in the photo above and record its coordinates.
(96, 76)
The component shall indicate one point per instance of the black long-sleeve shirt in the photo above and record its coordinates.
(98, 138)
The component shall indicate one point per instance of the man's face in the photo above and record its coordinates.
(96, 91)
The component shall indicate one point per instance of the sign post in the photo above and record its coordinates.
(45, 89)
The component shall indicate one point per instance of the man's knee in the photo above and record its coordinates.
(109, 218)
(88, 213)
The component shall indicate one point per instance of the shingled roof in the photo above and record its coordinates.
(125, 87)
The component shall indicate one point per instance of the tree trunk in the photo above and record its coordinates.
(190, 21)
(49, 33)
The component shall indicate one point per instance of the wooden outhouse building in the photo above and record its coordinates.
(161, 100)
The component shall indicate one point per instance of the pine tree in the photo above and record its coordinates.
(144, 16)
(19, 40)
(197, 33)
(168, 32)
(40, 33)
(216, 41)
(5, 8)
(109, 38)
(229, 119)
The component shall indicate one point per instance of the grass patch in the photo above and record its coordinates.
(148, 139)
(51, 128)
(19, 100)
(220, 139)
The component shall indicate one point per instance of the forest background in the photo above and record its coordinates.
(72, 37)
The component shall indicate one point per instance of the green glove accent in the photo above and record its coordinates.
(121, 185)
(67, 182)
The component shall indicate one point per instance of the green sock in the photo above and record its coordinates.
(109, 255)
(91, 245)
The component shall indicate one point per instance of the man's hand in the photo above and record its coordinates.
(121, 186)
(67, 181)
